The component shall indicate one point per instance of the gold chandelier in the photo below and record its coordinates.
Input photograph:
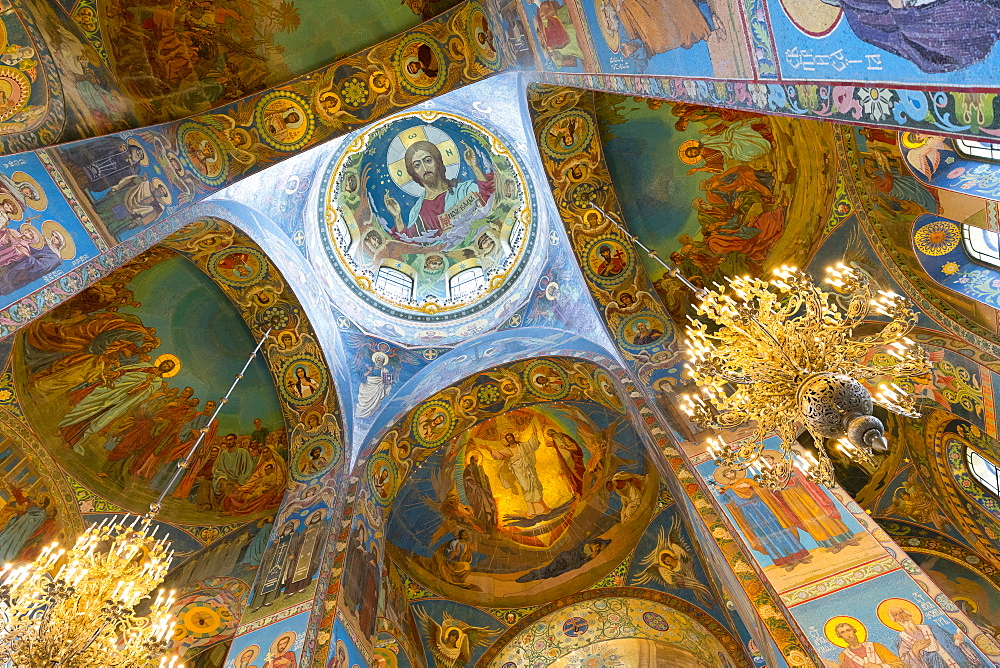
(77, 608)
(785, 355)
(83, 614)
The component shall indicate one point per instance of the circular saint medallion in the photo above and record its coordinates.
(303, 380)
(608, 261)
(606, 385)
(420, 64)
(202, 153)
(284, 120)
(482, 38)
(316, 456)
(566, 134)
(546, 379)
(382, 478)
(644, 331)
(428, 217)
(238, 266)
(433, 423)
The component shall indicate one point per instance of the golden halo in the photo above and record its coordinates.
(686, 159)
(830, 629)
(910, 140)
(447, 629)
(884, 612)
(973, 606)
(165, 200)
(28, 230)
(17, 206)
(68, 251)
(145, 154)
(38, 203)
(608, 30)
(717, 474)
(173, 358)
(254, 648)
(287, 634)
(450, 153)
(813, 18)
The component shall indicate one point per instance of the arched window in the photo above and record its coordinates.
(982, 245)
(394, 284)
(467, 283)
(981, 150)
(983, 470)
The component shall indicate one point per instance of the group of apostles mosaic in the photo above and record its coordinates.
(100, 371)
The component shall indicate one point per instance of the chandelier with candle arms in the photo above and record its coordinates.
(76, 608)
(784, 354)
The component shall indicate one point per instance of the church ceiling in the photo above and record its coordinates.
(519, 486)
(114, 386)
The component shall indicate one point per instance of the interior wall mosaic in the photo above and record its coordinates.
(583, 225)
(619, 631)
(120, 186)
(941, 112)
(134, 377)
(507, 515)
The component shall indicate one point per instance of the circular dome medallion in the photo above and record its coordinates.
(428, 217)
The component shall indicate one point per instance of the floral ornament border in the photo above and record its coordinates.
(936, 161)
(972, 114)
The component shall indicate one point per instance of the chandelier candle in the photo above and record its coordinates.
(783, 355)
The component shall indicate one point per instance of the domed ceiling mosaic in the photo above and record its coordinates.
(428, 218)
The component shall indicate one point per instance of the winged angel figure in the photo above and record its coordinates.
(669, 563)
(452, 641)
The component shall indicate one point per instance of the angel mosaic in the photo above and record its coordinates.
(452, 642)
(671, 565)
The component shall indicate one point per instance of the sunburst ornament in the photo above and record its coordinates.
(783, 355)
(938, 238)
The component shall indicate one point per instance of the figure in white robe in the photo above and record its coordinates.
(376, 387)
(518, 471)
